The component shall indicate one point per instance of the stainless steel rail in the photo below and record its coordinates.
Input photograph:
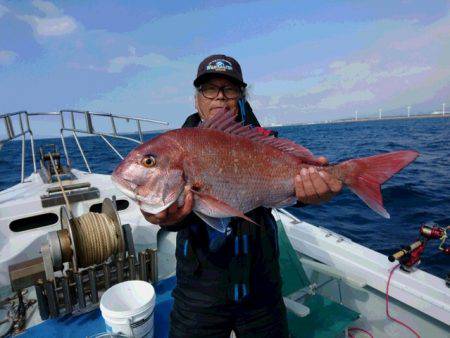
(23, 118)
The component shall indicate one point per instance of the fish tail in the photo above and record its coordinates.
(364, 176)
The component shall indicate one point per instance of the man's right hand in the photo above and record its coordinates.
(174, 213)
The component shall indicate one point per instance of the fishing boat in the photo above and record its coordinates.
(51, 287)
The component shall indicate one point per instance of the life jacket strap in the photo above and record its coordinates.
(240, 264)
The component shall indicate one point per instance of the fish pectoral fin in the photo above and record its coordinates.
(219, 224)
(217, 207)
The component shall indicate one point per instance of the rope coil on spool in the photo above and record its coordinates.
(93, 237)
(96, 237)
(87, 239)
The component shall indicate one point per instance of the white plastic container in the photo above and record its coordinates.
(127, 308)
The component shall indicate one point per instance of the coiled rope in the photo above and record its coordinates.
(95, 234)
(96, 238)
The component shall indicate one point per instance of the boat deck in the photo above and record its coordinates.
(92, 323)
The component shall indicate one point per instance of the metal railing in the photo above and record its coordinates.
(23, 118)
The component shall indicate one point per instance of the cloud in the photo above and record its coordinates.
(322, 67)
(3, 10)
(120, 63)
(341, 99)
(385, 63)
(347, 75)
(433, 33)
(150, 60)
(47, 7)
(51, 26)
(350, 85)
(408, 66)
(54, 23)
(7, 57)
(359, 73)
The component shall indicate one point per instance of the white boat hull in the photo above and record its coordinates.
(419, 299)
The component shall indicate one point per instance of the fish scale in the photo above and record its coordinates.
(261, 172)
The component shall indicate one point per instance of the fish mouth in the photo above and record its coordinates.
(152, 208)
(120, 184)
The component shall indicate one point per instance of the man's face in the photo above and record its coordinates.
(208, 107)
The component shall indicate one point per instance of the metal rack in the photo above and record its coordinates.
(23, 118)
(79, 292)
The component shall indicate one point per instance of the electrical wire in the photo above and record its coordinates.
(387, 304)
(358, 329)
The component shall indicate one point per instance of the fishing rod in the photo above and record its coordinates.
(409, 256)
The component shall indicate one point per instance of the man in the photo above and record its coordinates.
(230, 281)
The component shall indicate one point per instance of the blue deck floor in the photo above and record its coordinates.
(92, 323)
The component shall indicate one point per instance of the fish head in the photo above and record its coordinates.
(152, 174)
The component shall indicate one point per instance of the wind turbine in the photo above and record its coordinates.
(356, 115)
(409, 110)
(443, 109)
(379, 113)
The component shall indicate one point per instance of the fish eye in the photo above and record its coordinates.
(148, 161)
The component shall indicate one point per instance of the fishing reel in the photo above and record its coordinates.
(433, 231)
(409, 256)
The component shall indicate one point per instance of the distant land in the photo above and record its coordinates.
(366, 118)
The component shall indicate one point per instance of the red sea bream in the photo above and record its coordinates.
(233, 169)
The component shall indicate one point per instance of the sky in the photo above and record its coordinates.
(304, 61)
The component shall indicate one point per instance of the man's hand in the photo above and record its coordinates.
(174, 213)
(314, 187)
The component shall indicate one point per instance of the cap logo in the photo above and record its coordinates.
(219, 65)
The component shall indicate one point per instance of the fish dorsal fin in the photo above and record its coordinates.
(226, 121)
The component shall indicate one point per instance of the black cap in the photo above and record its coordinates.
(222, 65)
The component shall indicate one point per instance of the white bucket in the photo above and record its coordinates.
(127, 308)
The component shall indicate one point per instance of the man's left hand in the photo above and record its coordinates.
(313, 186)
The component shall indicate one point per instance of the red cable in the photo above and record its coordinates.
(387, 304)
(358, 329)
